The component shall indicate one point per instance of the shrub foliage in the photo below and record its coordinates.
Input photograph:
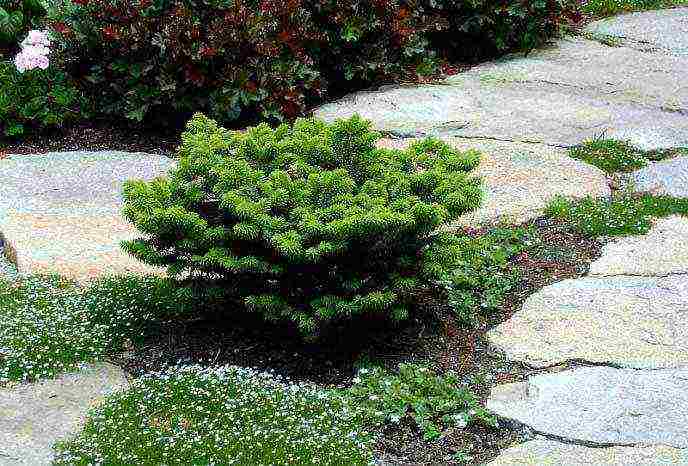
(17, 16)
(37, 99)
(273, 58)
(308, 223)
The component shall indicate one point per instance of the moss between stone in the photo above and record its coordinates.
(613, 156)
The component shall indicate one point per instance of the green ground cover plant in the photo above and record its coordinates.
(434, 401)
(232, 415)
(623, 215)
(50, 325)
(614, 156)
(308, 223)
(227, 415)
(475, 270)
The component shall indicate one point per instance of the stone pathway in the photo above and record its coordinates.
(629, 318)
(34, 416)
(561, 95)
(60, 212)
(610, 350)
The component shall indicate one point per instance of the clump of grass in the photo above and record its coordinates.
(614, 156)
(609, 155)
(50, 325)
(612, 7)
(620, 216)
(229, 415)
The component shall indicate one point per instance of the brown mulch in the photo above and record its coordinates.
(94, 137)
(559, 254)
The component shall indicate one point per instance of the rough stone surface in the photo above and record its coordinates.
(542, 452)
(665, 178)
(662, 251)
(601, 405)
(626, 321)
(521, 179)
(60, 212)
(661, 30)
(560, 95)
(34, 416)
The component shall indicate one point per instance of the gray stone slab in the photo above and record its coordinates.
(34, 416)
(60, 212)
(662, 251)
(543, 452)
(601, 405)
(664, 178)
(660, 30)
(626, 321)
(520, 180)
(562, 95)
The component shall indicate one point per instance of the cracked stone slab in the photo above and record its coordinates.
(660, 30)
(662, 251)
(601, 406)
(520, 180)
(543, 452)
(635, 322)
(60, 212)
(34, 416)
(665, 178)
(561, 95)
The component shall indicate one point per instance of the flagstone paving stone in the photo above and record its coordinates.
(60, 212)
(602, 406)
(638, 322)
(34, 416)
(661, 30)
(561, 95)
(662, 251)
(543, 452)
(664, 178)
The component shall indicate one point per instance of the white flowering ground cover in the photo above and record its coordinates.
(220, 416)
(50, 325)
(45, 329)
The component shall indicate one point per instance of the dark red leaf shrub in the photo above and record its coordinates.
(149, 60)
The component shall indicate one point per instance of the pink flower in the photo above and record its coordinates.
(36, 38)
(34, 52)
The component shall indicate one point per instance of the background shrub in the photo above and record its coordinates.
(309, 223)
(270, 58)
(36, 100)
(17, 17)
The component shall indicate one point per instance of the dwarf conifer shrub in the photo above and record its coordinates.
(309, 223)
